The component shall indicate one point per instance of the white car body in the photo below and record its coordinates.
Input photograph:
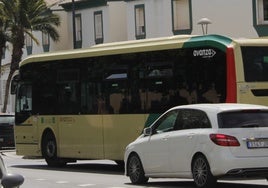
(170, 154)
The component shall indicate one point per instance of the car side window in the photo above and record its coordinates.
(192, 119)
(166, 123)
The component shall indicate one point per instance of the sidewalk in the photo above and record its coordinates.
(10, 153)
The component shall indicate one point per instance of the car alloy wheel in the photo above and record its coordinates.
(135, 170)
(201, 172)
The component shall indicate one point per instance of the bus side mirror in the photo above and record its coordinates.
(14, 85)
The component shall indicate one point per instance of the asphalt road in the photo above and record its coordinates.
(95, 174)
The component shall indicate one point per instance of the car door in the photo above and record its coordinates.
(183, 142)
(156, 150)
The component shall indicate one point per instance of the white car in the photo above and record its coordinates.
(203, 142)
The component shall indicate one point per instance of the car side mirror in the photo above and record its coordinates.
(12, 180)
(147, 131)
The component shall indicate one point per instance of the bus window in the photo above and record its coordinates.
(116, 91)
(24, 103)
(158, 82)
(14, 84)
(91, 77)
(255, 60)
(200, 79)
(68, 91)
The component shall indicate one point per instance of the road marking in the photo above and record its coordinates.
(86, 185)
(62, 182)
(40, 179)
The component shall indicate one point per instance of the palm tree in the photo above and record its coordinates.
(4, 36)
(2, 41)
(25, 16)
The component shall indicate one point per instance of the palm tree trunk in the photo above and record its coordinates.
(17, 53)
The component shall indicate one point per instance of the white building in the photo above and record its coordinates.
(103, 21)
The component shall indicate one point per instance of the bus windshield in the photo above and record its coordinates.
(255, 60)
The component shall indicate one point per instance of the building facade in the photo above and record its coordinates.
(89, 22)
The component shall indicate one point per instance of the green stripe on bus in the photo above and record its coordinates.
(217, 41)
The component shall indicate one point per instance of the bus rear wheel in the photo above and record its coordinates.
(49, 151)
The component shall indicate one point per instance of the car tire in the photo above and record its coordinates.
(49, 151)
(201, 173)
(135, 170)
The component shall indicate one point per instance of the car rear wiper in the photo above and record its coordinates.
(250, 125)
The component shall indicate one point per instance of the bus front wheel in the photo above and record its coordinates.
(49, 151)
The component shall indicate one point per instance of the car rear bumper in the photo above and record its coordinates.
(224, 163)
(248, 173)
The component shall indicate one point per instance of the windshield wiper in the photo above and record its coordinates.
(250, 125)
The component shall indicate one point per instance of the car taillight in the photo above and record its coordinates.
(224, 140)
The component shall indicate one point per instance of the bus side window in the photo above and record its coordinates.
(25, 99)
(68, 99)
(68, 91)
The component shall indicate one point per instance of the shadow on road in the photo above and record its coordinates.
(190, 184)
(112, 168)
(83, 168)
(118, 170)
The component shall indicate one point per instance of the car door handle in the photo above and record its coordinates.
(165, 138)
(190, 135)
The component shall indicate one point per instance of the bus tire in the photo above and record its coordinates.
(49, 151)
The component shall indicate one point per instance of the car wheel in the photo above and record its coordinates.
(201, 172)
(49, 151)
(135, 170)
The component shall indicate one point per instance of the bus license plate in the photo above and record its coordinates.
(257, 143)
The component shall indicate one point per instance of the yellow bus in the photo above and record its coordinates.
(90, 103)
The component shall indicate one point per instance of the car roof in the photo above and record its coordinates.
(221, 107)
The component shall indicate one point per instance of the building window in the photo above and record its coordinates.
(45, 41)
(140, 29)
(98, 27)
(29, 44)
(78, 31)
(262, 12)
(181, 16)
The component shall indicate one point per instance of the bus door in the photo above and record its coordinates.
(68, 110)
(79, 131)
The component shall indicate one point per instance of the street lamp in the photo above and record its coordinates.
(204, 24)
(74, 27)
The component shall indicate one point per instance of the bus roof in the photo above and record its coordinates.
(173, 42)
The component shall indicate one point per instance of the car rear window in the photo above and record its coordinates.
(243, 119)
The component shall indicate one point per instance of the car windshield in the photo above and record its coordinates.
(243, 119)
